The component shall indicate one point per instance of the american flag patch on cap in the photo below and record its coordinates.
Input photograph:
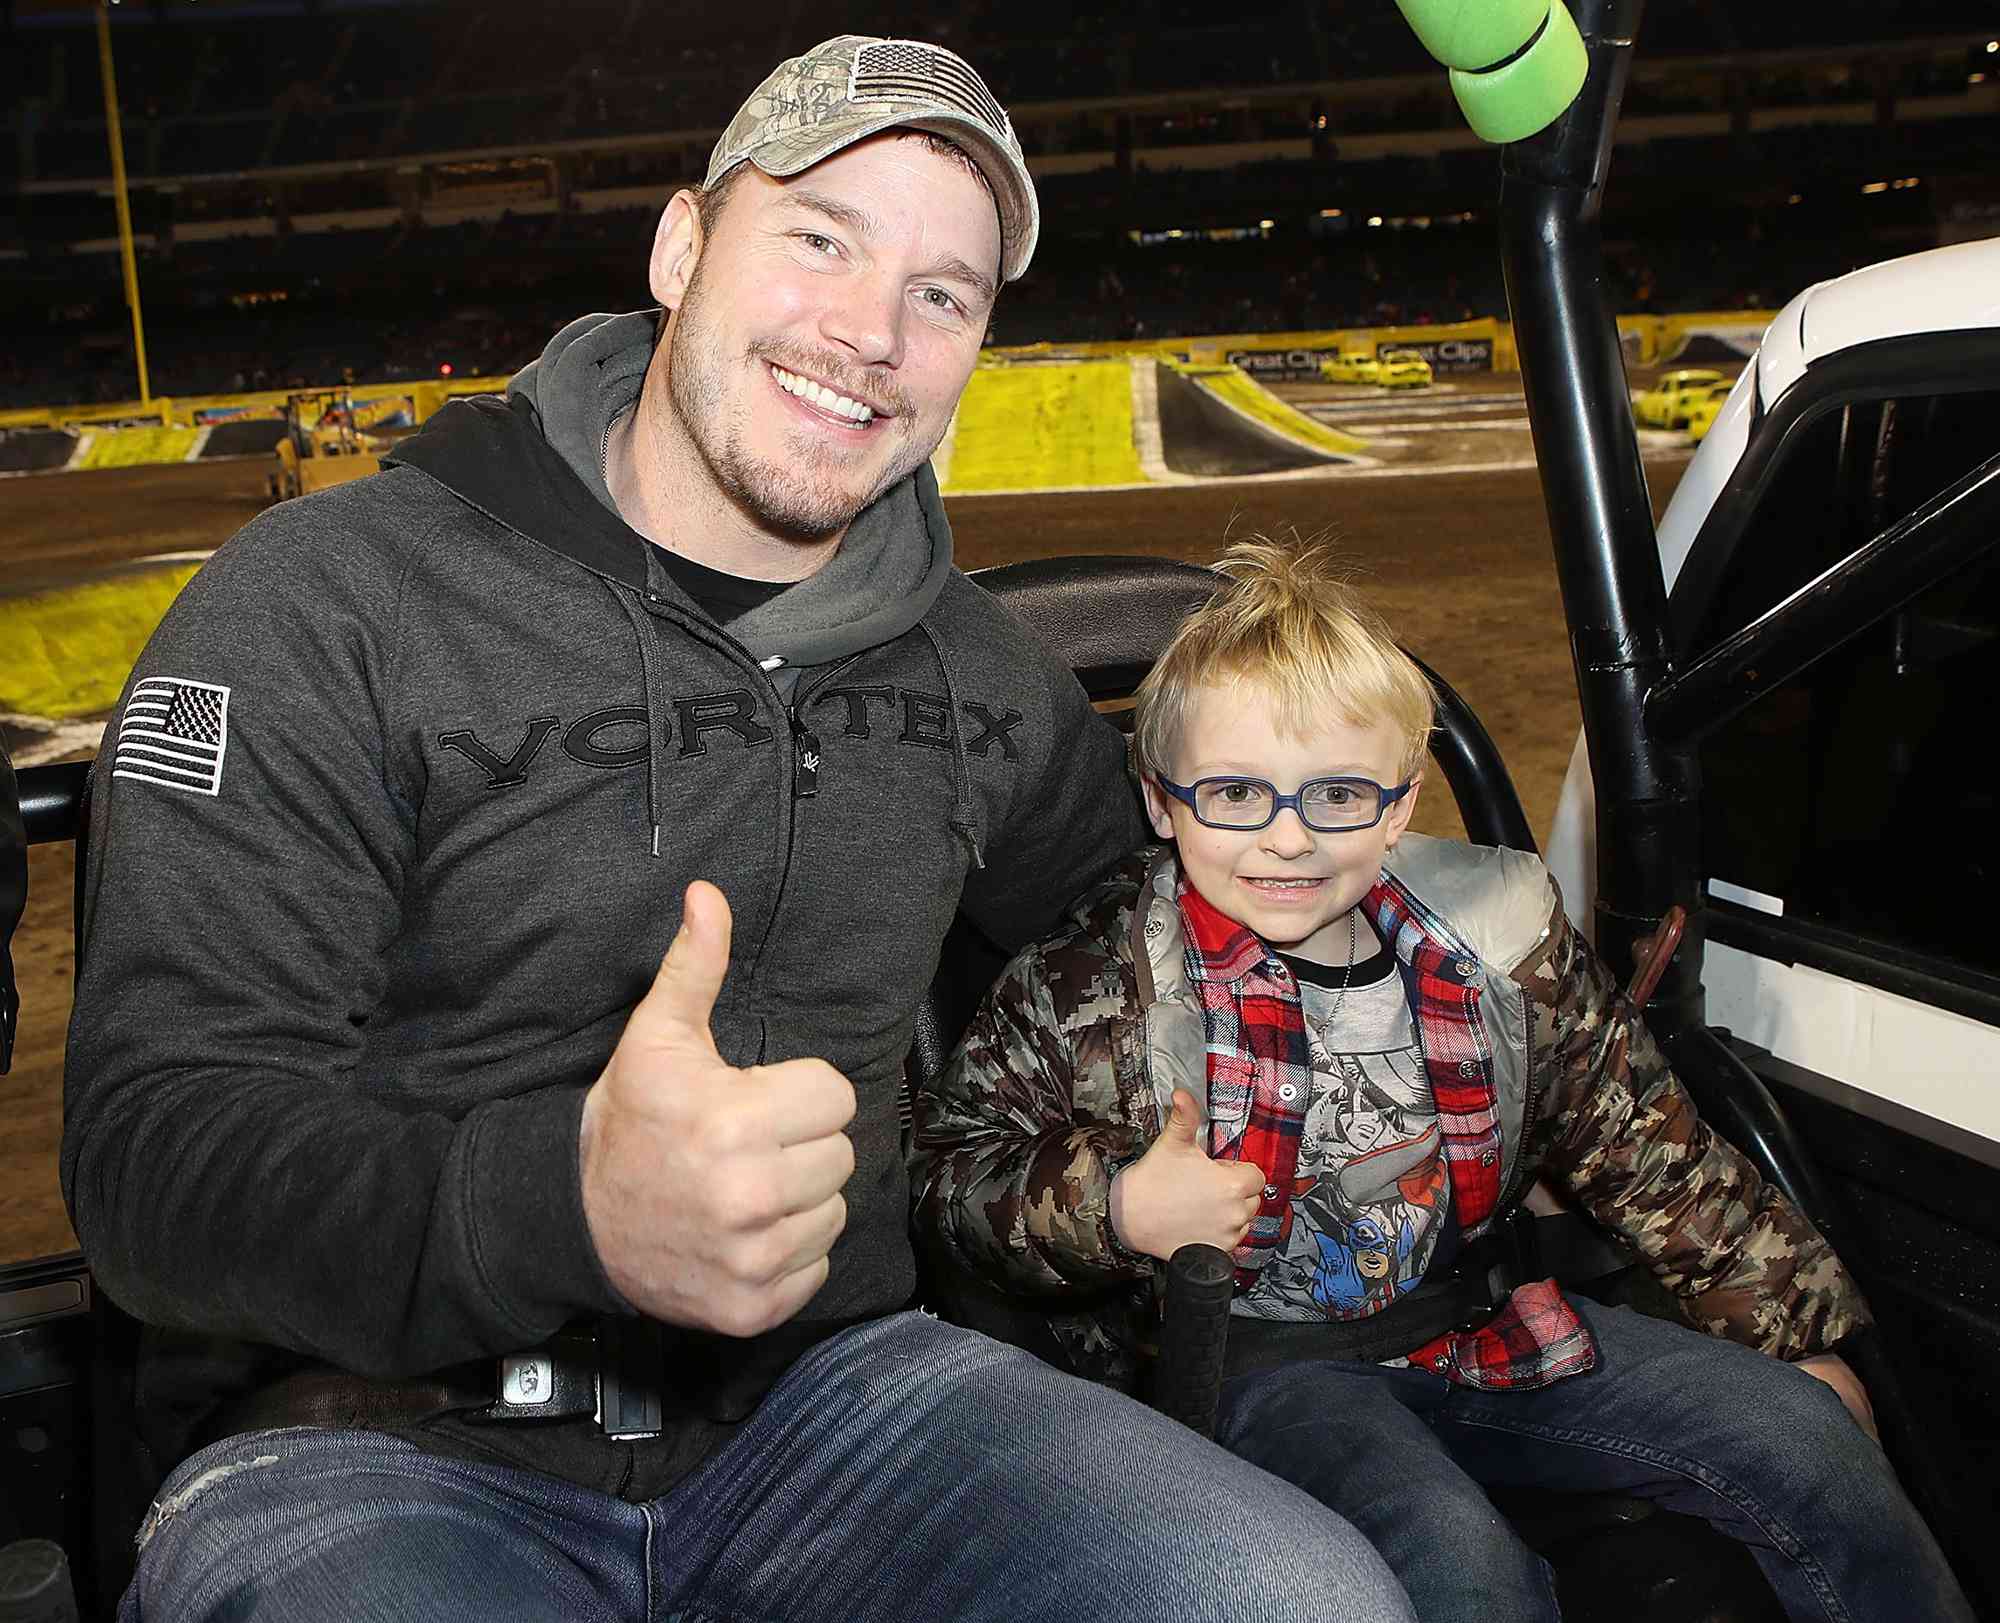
(856, 86)
(908, 70)
(173, 733)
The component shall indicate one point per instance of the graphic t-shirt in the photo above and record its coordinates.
(1371, 1194)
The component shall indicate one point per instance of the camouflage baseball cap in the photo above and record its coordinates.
(855, 86)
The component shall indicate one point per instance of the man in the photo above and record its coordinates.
(496, 1265)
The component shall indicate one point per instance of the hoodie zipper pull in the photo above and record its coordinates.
(805, 759)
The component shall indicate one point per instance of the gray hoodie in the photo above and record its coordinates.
(890, 568)
(391, 834)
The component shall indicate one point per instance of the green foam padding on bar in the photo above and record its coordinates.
(1474, 34)
(1531, 92)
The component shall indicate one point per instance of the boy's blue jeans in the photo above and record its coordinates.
(905, 1469)
(1763, 1451)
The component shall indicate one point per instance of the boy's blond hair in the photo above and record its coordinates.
(1287, 620)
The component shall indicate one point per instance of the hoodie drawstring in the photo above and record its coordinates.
(964, 814)
(656, 704)
(964, 819)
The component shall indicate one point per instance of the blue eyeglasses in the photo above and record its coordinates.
(1328, 805)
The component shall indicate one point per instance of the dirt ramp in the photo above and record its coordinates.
(35, 450)
(1219, 423)
(1706, 349)
(248, 436)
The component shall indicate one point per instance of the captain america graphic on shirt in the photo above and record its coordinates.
(1371, 1191)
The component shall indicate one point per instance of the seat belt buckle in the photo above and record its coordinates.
(1506, 1257)
(556, 1381)
(631, 1370)
(1521, 1251)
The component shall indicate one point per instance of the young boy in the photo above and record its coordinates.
(1346, 1053)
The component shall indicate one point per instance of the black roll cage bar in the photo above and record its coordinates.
(1647, 697)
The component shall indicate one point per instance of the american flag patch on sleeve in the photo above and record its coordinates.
(173, 733)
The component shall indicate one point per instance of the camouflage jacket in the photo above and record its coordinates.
(1069, 1068)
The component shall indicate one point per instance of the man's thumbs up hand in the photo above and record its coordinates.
(1174, 1195)
(712, 1193)
(675, 1011)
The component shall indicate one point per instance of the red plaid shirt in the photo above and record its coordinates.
(1255, 1035)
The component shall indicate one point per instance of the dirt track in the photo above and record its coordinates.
(60, 527)
(1459, 561)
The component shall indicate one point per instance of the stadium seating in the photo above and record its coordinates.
(1129, 112)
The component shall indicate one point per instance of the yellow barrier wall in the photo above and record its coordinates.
(67, 652)
(1038, 427)
(130, 447)
(1369, 339)
(429, 394)
(1656, 336)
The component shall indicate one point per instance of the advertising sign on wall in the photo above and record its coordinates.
(1279, 365)
(1447, 354)
(1467, 346)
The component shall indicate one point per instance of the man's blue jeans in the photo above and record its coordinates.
(902, 1470)
(1704, 1427)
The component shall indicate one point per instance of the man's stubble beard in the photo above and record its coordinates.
(803, 499)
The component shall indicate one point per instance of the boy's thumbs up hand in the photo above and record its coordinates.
(1174, 1195)
(1184, 1123)
(712, 1193)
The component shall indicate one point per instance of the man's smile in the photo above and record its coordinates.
(823, 399)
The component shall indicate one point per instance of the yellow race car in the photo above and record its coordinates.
(1351, 367)
(1702, 414)
(1402, 369)
(1668, 403)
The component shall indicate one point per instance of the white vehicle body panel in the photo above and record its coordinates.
(1892, 1048)
(1941, 1065)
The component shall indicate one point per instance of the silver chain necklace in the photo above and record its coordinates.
(1347, 970)
(1346, 974)
(1323, 1028)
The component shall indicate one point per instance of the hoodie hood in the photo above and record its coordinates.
(534, 461)
(586, 377)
